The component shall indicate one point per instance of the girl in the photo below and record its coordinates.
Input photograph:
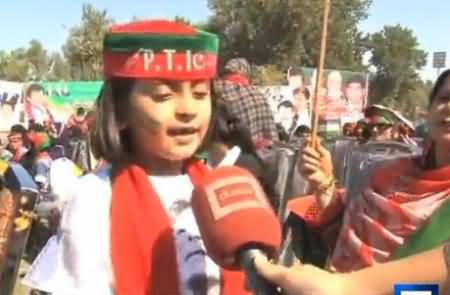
(130, 228)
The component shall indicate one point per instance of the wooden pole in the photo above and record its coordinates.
(320, 66)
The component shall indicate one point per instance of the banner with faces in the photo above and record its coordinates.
(343, 97)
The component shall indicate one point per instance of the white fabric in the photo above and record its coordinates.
(63, 179)
(304, 119)
(40, 114)
(78, 260)
(231, 157)
(191, 255)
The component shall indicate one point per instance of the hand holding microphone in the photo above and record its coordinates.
(301, 279)
(236, 222)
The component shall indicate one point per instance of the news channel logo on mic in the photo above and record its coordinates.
(416, 289)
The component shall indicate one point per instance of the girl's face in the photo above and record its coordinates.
(439, 116)
(169, 119)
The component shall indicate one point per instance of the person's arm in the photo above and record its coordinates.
(427, 267)
(317, 167)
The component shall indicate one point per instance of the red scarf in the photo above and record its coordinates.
(238, 79)
(142, 241)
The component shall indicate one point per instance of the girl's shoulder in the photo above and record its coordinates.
(94, 188)
(98, 180)
(92, 196)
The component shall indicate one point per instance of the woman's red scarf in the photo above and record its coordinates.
(142, 239)
(237, 79)
(402, 199)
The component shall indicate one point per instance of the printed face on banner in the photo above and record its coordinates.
(344, 96)
(334, 86)
(285, 114)
(355, 94)
(38, 98)
(300, 100)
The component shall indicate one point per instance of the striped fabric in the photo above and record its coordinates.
(401, 199)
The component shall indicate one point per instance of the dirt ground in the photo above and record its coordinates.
(21, 289)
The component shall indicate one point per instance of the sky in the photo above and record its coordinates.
(49, 20)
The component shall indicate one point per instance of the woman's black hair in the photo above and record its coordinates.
(18, 129)
(429, 161)
(438, 85)
(229, 129)
(286, 104)
(80, 111)
(36, 127)
(302, 130)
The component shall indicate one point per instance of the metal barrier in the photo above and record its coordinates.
(365, 159)
(18, 199)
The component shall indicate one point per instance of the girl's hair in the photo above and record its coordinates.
(108, 140)
(438, 85)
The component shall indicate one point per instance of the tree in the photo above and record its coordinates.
(84, 46)
(268, 75)
(3, 63)
(16, 66)
(59, 68)
(38, 60)
(397, 58)
(288, 32)
(183, 20)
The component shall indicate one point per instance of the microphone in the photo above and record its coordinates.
(236, 222)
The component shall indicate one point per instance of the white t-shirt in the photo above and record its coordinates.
(78, 260)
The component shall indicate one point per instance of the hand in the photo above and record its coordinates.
(316, 164)
(300, 279)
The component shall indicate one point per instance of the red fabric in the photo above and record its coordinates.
(233, 210)
(202, 66)
(237, 79)
(307, 208)
(401, 199)
(154, 26)
(142, 242)
(83, 124)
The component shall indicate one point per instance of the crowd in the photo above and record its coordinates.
(124, 222)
